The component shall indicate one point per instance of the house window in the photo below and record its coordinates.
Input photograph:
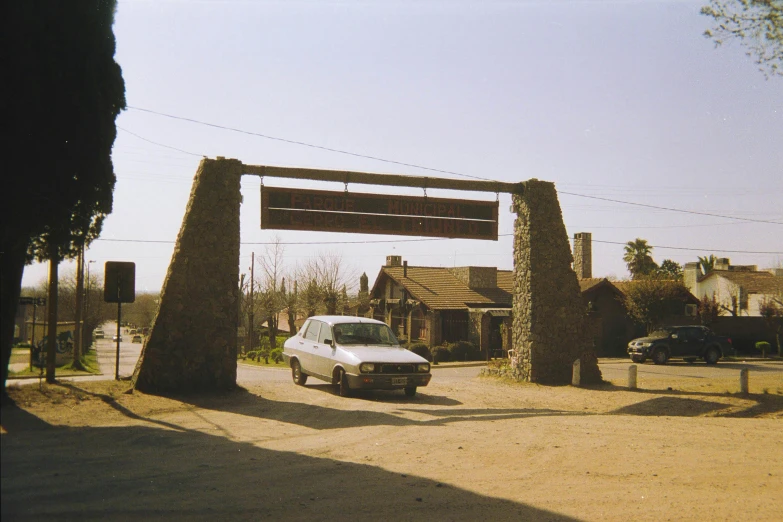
(690, 310)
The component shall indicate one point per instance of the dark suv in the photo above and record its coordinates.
(686, 342)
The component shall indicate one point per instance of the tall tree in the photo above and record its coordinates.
(638, 258)
(364, 294)
(757, 24)
(271, 298)
(62, 91)
(649, 300)
(706, 264)
(670, 269)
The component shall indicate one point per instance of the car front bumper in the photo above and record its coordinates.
(387, 382)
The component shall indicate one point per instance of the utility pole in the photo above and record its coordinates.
(250, 308)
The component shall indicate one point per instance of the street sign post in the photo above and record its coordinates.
(299, 209)
(119, 287)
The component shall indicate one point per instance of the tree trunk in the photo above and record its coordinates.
(12, 262)
(51, 341)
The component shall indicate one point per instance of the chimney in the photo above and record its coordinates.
(404, 269)
(583, 255)
(690, 277)
(722, 263)
(393, 260)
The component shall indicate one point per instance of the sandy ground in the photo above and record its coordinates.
(481, 449)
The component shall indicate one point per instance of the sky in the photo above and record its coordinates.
(621, 100)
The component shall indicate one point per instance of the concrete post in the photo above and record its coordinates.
(744, 380)
(632, 377)
(576, 373)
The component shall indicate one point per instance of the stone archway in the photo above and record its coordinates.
(193, 341)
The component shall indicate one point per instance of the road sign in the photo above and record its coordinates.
(298, 209)
(38, 301)
(119, 282)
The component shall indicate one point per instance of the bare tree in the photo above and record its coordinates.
(271, 300)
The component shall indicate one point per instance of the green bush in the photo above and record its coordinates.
(440, 354)
(463, 351)
(422, 350)
(276, 355)
(763, 347)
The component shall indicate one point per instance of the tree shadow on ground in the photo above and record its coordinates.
(765, 404)
(243, 402)
(152, 473)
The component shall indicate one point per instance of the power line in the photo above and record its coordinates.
(303, 144)
(160, 144)
(670, 209)
(394, 162)
(378, 241)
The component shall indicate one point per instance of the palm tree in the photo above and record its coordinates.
(706, 264)
(638, 258)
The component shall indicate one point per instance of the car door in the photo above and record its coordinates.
(686, 343)
(308, 347)
(326, 352)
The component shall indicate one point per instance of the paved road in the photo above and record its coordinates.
(618, 369)
(106, 350)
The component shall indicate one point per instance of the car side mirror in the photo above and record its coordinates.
(328, 342)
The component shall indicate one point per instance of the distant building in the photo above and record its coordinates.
(436, 304)
(738, 289)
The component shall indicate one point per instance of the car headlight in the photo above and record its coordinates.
(423, 367)
(645, 345)
(367, 367)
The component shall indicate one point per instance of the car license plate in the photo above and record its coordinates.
(399, 381)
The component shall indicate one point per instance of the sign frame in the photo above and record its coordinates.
(363, 213)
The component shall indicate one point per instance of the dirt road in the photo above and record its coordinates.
(476, 449)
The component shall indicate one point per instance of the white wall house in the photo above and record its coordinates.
(739, 290)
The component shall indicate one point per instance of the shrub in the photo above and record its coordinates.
(440, 354)
(763, 347)
(463, 351)
(276, 355)
(422, 350)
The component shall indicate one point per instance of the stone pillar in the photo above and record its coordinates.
(193, 341)
(548, 323)
(583, 255)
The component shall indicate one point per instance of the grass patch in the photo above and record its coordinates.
(272, 364)
(89, 361)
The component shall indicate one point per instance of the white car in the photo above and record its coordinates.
(354, 353)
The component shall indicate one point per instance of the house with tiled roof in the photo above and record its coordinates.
(437, 304)
(739, 290)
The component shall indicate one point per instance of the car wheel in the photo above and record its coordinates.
(296, 372)
(712, 355)
(637, 359)
(410, 391)
(659, 356)
(342, 384)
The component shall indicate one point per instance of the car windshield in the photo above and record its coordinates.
(662, 332)
(364, 333)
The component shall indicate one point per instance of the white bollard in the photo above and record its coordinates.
(744, 380)
(632, 377)
(576, 376)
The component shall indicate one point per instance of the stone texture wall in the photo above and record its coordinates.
(548, 321)
(583, 255)
(477, 276)
(193, 342)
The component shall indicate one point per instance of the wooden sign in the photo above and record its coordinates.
(317, 210)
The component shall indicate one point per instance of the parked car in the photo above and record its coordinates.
(99, 334)
(354, 353)
(136, 339)
(686, 342)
